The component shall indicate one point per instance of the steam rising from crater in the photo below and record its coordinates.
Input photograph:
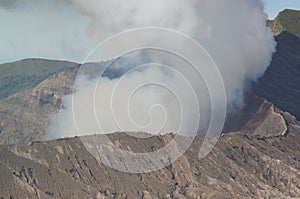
(233, 32)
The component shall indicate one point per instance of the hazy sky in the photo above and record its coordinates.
(57, 30)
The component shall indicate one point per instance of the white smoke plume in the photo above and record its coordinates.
(233, 32)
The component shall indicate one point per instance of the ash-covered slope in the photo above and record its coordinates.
(240, 166)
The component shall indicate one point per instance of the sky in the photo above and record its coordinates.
(43, 31)
(272, 7)
(24, 33)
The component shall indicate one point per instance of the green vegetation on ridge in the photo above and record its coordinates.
(28, 73)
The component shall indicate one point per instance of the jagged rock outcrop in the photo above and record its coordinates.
(259, 118)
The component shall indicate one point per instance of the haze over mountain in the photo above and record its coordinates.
(257, 158)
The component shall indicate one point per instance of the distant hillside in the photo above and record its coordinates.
(28, 73)
(25, 115)
(287, 20)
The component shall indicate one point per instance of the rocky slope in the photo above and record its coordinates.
(258, 158)
(240, 166)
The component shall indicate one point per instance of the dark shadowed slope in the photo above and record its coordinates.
(281, 82)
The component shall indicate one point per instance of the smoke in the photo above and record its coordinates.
(233, 32)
